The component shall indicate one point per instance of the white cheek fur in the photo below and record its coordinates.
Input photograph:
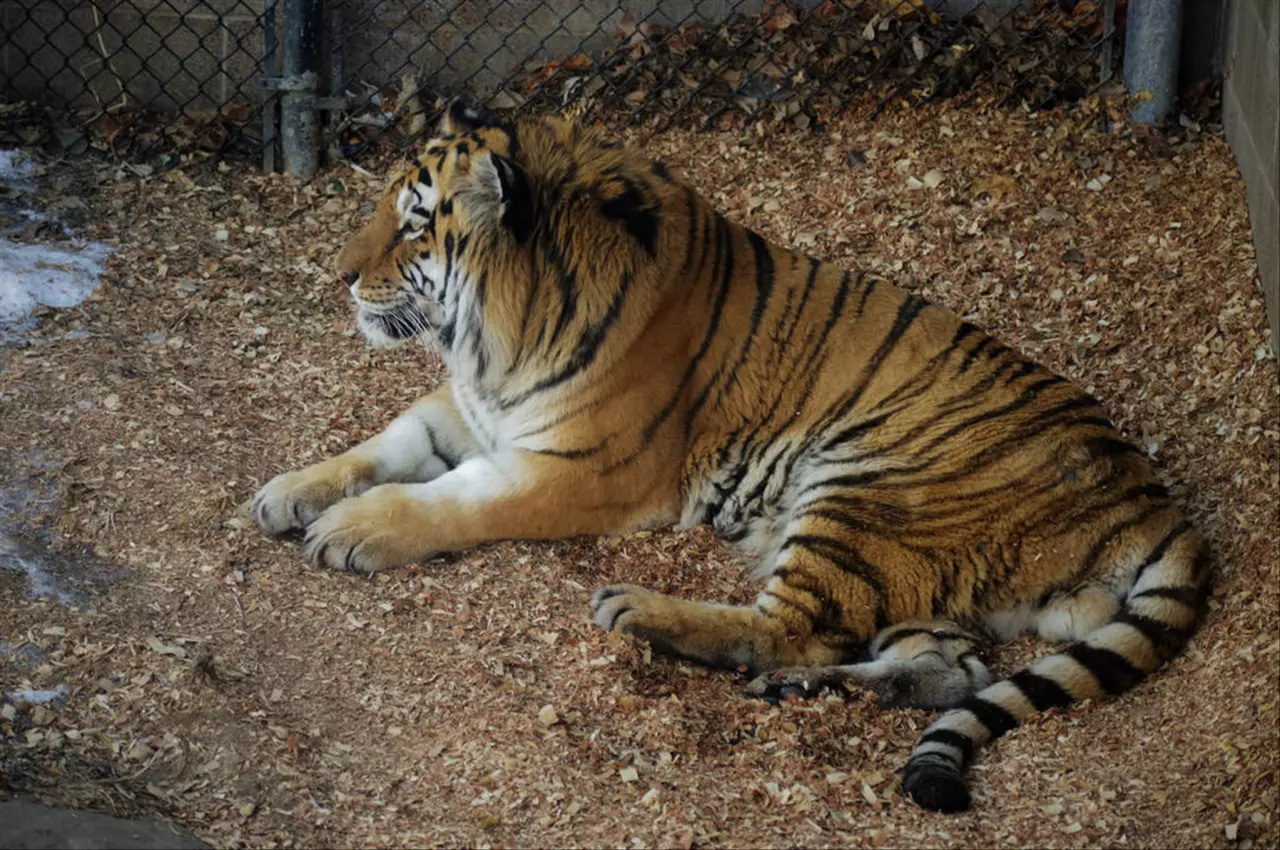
(404, 201)
(419, 196)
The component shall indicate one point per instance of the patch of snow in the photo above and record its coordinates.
(41, 583)
(37, 697)
(36, 275)
(47, 275)
(17, 169)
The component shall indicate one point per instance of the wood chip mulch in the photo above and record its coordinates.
(212, 678)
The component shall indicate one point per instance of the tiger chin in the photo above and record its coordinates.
(622, 356)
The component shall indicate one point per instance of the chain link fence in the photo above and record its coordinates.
(199, 78)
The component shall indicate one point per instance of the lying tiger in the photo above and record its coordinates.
(621, 356)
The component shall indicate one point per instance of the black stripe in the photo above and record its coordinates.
(785, 342)
(844, 557)
(1098, 421)
(1027, 396)
(764, 289)
(1112, 670)
(695, 230)
(1021, 371)
(1113, 447)
(1161, 547)
(855, 430)
(856, 479)
(572, 454)
(638, 217)
(791, 603)
(1100, 546)
(928, 375)
(587, 346)
(973, 354)
(1041, 691)
(908, 311)
(900, 635)
(567, 283)
(869, 286)
(951, 738)
(1167, 639)
(966, 330)
(996, 719)
(886, 521)
(724, 262)
(1189, 596)
(833, 316)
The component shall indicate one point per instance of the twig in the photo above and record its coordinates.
(106, 57)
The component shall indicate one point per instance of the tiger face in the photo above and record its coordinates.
(403, 267)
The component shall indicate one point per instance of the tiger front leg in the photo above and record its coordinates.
(512, 495)
(424, 442)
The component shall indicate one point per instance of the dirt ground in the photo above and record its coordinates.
(210, 677)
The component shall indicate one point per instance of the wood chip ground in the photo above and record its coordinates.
(216, 680)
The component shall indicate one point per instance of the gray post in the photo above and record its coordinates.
(1151, 47)
(299, 82)
(270, 106)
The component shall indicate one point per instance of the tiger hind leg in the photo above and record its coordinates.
(811, 613)
(726, 636)
(912, 664)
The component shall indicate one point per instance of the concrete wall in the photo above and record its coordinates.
(1251, 113)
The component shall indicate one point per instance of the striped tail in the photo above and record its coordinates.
(1155, 621)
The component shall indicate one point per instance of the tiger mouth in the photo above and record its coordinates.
(392, 325)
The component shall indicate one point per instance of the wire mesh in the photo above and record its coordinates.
(132, 76)
(187, 78)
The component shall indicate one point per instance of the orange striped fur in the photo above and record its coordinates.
(622, 356)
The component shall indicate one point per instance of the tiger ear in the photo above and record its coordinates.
(501, 187)
(461, 117)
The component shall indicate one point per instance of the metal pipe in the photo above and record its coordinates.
(1153, 40)
(269, 110)
(299, 82)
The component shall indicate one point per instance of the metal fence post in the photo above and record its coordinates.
(1151, 46)
(299, 83)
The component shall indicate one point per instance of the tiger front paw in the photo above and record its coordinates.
(293, 500)
(373, 532)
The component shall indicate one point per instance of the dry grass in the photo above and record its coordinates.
(259, 703)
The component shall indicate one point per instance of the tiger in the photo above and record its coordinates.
(621, 356)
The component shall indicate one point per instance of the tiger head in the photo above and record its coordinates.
(490, 213)
(402, 268)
